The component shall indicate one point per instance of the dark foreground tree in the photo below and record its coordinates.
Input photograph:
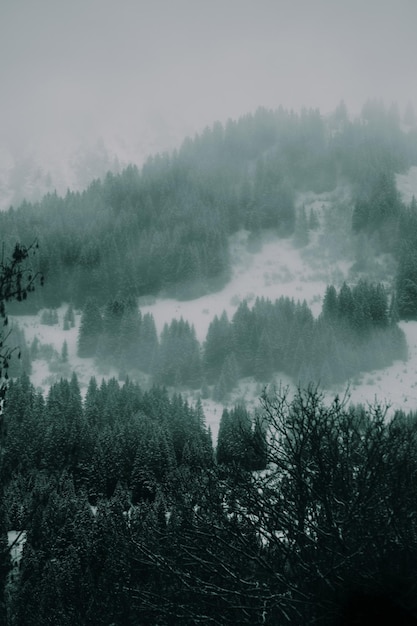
(17, 280)
(328, 528)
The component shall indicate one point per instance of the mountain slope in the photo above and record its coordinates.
(268, 267)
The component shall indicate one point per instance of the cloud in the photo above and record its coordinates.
(101, 66)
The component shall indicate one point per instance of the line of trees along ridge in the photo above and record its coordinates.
(356, 331)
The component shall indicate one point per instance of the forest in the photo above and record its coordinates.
(356, 331)
(117, 507)
(165, 228)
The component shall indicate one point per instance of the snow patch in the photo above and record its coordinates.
(16, 540)
(276, 269)
(407, 184)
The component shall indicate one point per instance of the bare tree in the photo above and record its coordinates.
(333, 516)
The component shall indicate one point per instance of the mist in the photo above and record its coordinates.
(139, 76)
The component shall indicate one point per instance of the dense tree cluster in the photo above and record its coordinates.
(178, 361)
(241, 441)
(69, 471)
(406, 279)
(120, 335)
(356, 331)
(377, 151)
(127, 514)
(166, 227)
(353, 333)
(128, 518)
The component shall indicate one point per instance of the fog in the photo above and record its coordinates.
(142, 74)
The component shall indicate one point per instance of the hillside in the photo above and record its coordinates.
(226, 188)
(270, 267)
(153, 467)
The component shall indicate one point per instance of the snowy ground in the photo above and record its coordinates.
(16, 541)
(276, 269)
(407, 184)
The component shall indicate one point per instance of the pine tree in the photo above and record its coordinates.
(217, 346)
(264, 359)
(129, 339)
(244, 339)
(235, 438)
(69, 318)
(148, 343)
(224, 439)
(112, 320)
(330, 304)
(91, 327)
(301, 236)
(406, 283)
(93, 404)
(378, 300)
(345, 304)
(230, 372)
(259, 457)
(179, 359)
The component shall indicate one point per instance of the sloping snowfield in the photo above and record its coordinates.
(276, 270)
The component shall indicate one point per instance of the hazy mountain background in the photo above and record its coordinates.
(93, 85)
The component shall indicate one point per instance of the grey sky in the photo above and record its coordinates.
(100, 67)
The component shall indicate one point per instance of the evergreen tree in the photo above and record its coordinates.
(235, 439)
(129, 339)
(93, 410)
(91, 327)
(406, 283)
(264, 358)
(64, 352)
(179, 359)
(244, 338)
(112, 320)
(69, 318)
(345, 304)
(217, 346)
(330, 304)
(148, 343)
(225, 439)
(230, 372)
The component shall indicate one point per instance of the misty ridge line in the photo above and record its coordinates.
(174, 218)
(31, 175)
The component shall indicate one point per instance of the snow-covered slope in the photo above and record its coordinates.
(276, 268)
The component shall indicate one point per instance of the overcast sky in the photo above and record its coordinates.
(100, 67)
